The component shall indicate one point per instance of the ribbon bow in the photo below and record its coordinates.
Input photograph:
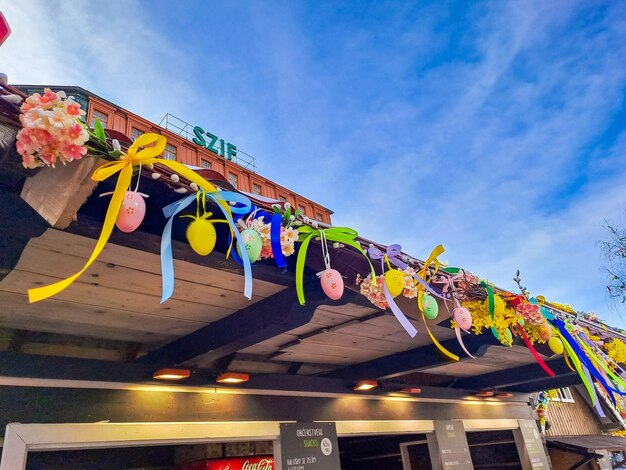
(222, 198)
(343, 235)
(390, 256)
(136, 155)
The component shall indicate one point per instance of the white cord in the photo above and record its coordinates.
(325, 252)
(138, 176)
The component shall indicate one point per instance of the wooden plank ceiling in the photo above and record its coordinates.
(115, 308)
(118, 298)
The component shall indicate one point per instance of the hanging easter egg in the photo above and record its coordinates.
(253, 243)
(545, 332)
(201, 236)
(430, 306)
(462, 317)
(332, 283)
(131, 213)
(394, 280)
(521, 321)
(498, 305)
(556, 345)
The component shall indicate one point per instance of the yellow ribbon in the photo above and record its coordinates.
(153, 145)
(425, 275)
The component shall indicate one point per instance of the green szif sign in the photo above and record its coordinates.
(214, 143)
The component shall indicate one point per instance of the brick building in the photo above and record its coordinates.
(182, 147)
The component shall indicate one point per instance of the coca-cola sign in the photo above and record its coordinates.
(264, 462)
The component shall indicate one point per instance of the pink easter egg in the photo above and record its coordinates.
(132, 212)
(462, 317)
(332, 283)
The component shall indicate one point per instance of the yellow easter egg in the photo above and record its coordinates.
(498, 305)
(201, 236)
(556, 345)
(394, 280)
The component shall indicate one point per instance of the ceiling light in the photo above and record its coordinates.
(412, 390)
(484, 393)
(365, 385)
(504, 395)
(171, 374)
(232, 378)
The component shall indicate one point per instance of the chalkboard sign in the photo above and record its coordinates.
(453, 449)
(534, 445)
(309, 446)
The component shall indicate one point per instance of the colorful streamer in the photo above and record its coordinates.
(588, 365)
(534, 352)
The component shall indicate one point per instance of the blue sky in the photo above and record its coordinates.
(495, 128)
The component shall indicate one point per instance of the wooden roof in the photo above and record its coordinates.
(111, 322)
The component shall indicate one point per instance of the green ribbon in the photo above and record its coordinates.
(588, 386)
(616, 378)
(492, 308)
(336, 234)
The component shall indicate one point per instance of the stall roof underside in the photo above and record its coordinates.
(109, 325)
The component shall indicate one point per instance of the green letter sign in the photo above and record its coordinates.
(225, 149)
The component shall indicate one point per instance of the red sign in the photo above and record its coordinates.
(4, 29)
(265, 462)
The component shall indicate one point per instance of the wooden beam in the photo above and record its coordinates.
(511, 378)
(547, 383)
(265, 319)
(21, 224)
(38, 371)
(414, 360)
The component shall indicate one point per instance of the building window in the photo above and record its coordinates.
(134, 134)
(205, 164)
(319, 217)
(103, 118)
(561, 394)
(282, 199)
(301, 208)
(232, 179)
(256, 189)
(170, 152)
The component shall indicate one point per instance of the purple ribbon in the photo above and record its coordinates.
(393, 251)
(374, 254)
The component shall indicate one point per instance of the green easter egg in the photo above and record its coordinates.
(253, 243)
(431, 308)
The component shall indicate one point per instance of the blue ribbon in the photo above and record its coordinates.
(276, 223)
(586, 361)
(242, 206)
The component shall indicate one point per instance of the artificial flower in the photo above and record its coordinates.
(50, 130)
